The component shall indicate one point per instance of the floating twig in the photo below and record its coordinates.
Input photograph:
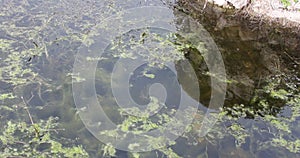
(37, 132)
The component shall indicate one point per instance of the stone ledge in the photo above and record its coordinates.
(271, 8)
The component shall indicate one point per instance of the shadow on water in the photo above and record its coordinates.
(261, 111)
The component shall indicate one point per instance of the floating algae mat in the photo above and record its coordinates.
(60, 58)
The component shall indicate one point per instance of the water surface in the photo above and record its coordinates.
(39, 42)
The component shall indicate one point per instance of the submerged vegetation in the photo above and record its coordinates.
(275, 107)
(21, 139)
(38, 117)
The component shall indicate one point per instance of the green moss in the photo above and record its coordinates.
(279, 94)
(286, 3)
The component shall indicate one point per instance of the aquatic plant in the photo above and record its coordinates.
(19, 138)
(37, 48)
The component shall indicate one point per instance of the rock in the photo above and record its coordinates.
(243, 87)
(226, 3)
(238, 3)
(247, 35)
(271, 8)
(270, 60)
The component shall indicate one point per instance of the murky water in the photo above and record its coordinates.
(153, 66)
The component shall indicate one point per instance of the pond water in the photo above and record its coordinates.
(113, 78)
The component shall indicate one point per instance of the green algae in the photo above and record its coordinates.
(19, 69)
(18, 139)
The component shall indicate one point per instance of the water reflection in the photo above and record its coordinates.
(53, 30)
